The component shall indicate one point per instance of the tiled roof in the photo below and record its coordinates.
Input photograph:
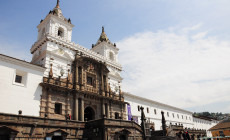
(222, 125)
(204, 117)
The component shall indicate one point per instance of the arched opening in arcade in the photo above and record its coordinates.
(7, 133)
(57, 138)
(89, 114)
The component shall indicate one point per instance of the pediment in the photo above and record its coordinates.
(62, 53)
(58, 131)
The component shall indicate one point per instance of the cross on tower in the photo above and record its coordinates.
(58, 1)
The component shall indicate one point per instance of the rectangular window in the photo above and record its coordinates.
(117, 115)
(58, 108)
(147, 110)
(221, 133)
(155, 111)
(178, 116)
(138, 107)
(173, 115)
(89, 80)
(168, 114)
(18, 79)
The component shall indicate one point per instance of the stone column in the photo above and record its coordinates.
(67, 107)
(122, 114)
(102, 109)
(76, 109)
(102, 83)
(82, 109)
(107, 110)
(82, 81)
(125, 112)
(48, 108)
(111, 110)
(76, 77)
(107, 86)
(43, 103)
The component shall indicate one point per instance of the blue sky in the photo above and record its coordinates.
(182, 46)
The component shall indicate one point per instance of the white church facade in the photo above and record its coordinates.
(66, 80)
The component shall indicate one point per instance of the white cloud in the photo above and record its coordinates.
(177, 67)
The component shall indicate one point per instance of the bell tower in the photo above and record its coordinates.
(105, 47)
(55, 24)
(110, 51)
(54, 35)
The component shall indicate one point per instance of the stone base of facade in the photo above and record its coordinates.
(110, 129)
(21, 127)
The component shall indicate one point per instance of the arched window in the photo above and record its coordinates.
(61, 32)
(117, 115)
(111, 56)
(155, 111)
(58, 108)
(89, 114)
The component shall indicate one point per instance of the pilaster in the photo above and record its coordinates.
(82, 109)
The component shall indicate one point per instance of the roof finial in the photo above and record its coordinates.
(103, 29)
(58, 1)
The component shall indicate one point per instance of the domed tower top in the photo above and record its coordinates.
(103, 37)
(57, 12)
(105, 47)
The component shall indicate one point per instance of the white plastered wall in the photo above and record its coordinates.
(156, 118)
(17, 97)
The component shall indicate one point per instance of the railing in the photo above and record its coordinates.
(64, 83)
(58, 82)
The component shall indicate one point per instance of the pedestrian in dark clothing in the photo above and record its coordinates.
(193, 137)
(179, 135)
(184, 136)
(187, 136)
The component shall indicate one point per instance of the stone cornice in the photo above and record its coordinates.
(37, 44)
(107, 45)
(21, 63)
(50, 16)
(154, 102)
(74, 47)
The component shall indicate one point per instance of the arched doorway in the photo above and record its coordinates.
(57, 138)
(57, 134)
(7, 133)
(122, 137)
(89, 114)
